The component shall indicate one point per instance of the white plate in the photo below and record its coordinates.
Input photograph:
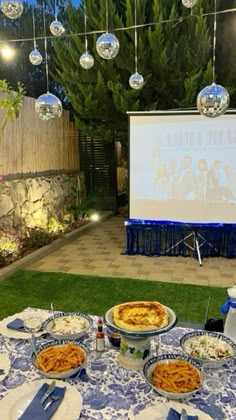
(8, 332)
(4, 364)
(17, 400)
(160, 412)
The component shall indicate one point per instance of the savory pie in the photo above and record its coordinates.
(140, 316)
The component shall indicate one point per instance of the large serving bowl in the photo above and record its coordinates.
(68, 325)
(208, 346)
(47, 358)
(167, 359)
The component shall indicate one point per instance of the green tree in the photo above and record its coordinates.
(10, 103)
(174, 59)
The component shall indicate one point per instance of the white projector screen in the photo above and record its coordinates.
(182, 168)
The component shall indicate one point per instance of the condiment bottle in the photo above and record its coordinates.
(229, 307)
(100, 336)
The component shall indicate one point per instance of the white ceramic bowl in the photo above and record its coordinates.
(168, 358)
(64, 374)
(67, 335)
(222, 348)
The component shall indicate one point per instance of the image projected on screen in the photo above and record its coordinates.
(183, 168)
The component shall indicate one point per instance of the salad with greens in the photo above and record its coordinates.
(206, 347)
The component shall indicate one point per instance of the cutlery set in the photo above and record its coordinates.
(48, 399)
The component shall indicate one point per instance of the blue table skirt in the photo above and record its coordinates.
(179, 239)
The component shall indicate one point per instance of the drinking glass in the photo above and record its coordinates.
(98, 369)
(32, 325)
(214, 379)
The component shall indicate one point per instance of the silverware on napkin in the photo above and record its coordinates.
(184, 415)
(50, 389)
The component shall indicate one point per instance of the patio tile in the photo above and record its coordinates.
(100, 252)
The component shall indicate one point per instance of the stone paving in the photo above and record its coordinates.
(99, 252)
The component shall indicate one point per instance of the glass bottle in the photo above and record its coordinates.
(100, 336)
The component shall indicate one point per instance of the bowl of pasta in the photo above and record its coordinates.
(60, 359)
(175, 376)
(68, 325)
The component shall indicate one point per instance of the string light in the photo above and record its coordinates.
(126, 28)
(7, 53)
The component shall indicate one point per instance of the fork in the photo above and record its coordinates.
(50, 401)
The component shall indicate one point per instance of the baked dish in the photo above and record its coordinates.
(140, 316)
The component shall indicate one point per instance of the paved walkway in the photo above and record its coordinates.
(98, 252)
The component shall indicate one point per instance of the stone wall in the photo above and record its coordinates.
(32, 201)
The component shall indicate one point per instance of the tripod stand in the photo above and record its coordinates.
(196, 245)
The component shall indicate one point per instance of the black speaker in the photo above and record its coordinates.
(214, 324)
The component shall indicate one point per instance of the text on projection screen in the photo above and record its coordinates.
(183, 168)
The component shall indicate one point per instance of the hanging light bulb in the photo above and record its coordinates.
(35, 57)
(12, 8)
(189, 3)
(56, 28)
(48, 106)
(86, 61)
(107, 46)
(213, 101)
(136, 81)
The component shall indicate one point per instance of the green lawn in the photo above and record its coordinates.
(95, 295)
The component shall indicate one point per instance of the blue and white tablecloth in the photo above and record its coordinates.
(127, 390)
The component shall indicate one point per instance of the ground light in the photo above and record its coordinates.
(94, 217)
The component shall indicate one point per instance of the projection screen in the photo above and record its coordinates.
(182, 168)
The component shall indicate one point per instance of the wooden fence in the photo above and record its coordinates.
(30, 146)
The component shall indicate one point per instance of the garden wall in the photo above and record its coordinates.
(39, 168)
(33, 201)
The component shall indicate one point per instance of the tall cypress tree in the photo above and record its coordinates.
(174, 58)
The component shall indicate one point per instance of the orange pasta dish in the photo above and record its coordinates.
(176, 376)
(60, 358)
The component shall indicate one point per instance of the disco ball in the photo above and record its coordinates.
(56, 28)
(86, 61)
(12, 9)
(189, 3)
(35, 57)
(107, 46)
(213, 101)
(48, 107)
(136, 81)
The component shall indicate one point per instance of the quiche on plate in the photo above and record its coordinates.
(140, 316)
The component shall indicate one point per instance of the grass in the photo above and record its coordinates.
(95, 295)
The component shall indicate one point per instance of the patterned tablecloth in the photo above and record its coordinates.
(127, 391)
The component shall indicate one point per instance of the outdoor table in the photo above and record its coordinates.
(128, 392)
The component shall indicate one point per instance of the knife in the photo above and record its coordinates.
(184, 415)
(50, 389)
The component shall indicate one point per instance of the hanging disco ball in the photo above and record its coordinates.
(56, 28)
(189, 3)
(136, 81)
(86, 61)
(213, 101)
(107, 46)
(12, 9)
(35, 57)
(48, 107)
